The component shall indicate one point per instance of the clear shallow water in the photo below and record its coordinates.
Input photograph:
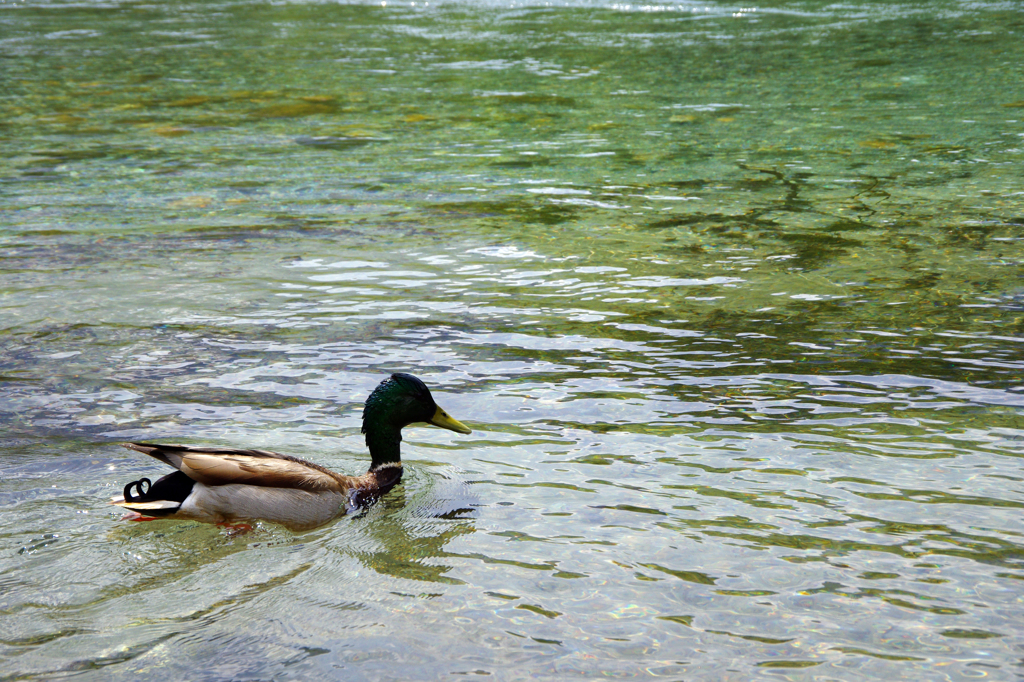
(730, 296)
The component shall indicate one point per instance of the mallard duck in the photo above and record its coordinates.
(225, 485)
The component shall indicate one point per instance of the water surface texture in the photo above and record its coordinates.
(731, 297)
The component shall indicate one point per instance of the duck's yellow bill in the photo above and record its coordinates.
(442, 419)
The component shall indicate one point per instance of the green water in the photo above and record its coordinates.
(731, 297)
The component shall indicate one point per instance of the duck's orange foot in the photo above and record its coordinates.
(136, 516)
(234, 529)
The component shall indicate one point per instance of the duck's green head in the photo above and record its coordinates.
(398, 401)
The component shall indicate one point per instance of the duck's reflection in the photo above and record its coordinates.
(407, 531)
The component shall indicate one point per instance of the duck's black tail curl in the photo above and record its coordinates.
(172, 488)
(128, 497)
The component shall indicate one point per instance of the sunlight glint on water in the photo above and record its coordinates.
(730, 296)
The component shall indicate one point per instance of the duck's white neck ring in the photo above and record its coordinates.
(386, 465)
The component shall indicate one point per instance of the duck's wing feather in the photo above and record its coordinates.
(220, 466)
